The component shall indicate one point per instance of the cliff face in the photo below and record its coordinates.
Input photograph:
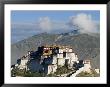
(87, 46)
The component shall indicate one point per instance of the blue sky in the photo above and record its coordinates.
(28, 23)
(32, 16)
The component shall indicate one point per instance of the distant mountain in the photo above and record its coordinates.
(87, 46)
(71, 33)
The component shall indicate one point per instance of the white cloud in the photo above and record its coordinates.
(84, 23)
(45, 24)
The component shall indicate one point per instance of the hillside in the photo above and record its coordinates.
(85, 45)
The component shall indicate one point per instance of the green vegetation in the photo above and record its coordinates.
(86, 74)
(33, 74)
(24, 73)
(62, 70)
(17, 72)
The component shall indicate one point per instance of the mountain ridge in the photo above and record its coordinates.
(85, 45)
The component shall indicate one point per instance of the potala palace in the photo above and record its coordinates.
(48, 58)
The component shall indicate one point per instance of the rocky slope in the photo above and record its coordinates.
(87, 46)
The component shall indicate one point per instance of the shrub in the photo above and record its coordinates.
(93, 73)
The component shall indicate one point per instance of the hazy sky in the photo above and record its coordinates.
(28, 23)
(32, 16)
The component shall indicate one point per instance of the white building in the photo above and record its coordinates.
(16, 65)
(70, 50)
(51, 69)
(54, 60)
(23, 64)
(71, 58)
(60, 50)
(60, 61)
(60, 55)
(97, 70)
(87, 66)
(48, 63)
